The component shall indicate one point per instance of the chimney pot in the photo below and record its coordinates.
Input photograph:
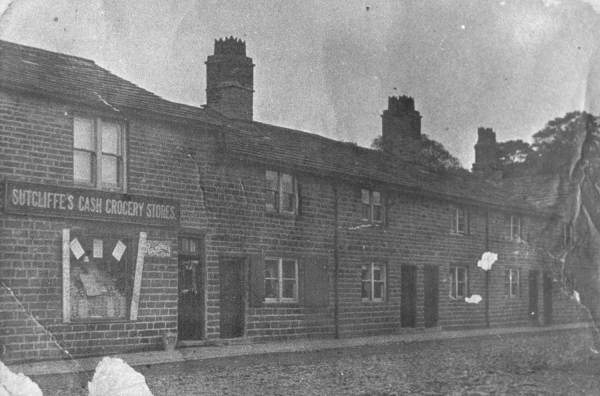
(401, 127)
(486, 136)
(230, 79)
(487, 154)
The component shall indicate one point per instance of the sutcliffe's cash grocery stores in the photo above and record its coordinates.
(51, 200)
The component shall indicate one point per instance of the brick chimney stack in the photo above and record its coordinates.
(230, 79)
(487, 155)
(401, 127)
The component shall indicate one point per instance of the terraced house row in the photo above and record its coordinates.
(126, 217)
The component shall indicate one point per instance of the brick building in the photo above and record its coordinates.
(126, 216)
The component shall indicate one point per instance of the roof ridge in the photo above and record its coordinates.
(332, 140)
(60, 54)
(60, 75)
(89, 62)
(305, 133)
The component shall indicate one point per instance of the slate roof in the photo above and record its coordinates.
(79, 80)
(287, 148)
(544, 191)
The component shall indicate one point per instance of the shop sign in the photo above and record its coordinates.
(44, 200)
(158, 248)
